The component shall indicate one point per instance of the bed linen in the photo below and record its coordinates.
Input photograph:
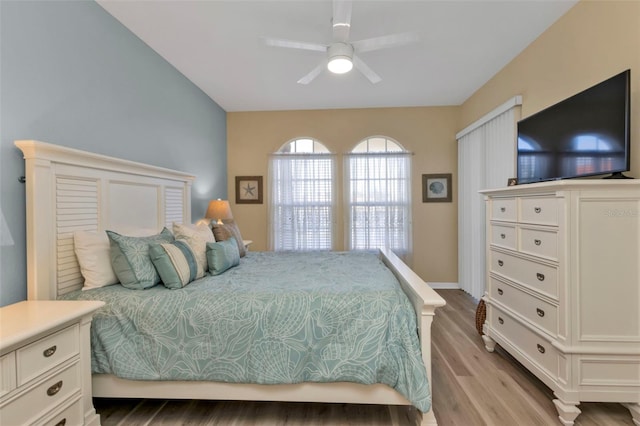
(276, 318)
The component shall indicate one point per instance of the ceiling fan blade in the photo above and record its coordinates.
(292, 44)
(384, 42)
(364, 69)
(313, 74)
(341, 20)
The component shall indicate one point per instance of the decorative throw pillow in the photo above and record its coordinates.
(228, 229)
(197, 236)
(222, 255)
(176, 263)
(93, 254)
(130, 259)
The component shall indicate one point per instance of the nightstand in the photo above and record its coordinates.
(45, 363)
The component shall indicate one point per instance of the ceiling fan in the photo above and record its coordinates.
(342, 53)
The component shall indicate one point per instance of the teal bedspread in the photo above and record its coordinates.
(276, 318)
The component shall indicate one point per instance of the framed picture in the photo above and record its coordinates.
(436, 188)
(248, 189)
(512, 181)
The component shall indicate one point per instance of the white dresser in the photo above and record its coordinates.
(45, 363)
(563, 287)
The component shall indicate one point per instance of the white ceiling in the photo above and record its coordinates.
(217, 45)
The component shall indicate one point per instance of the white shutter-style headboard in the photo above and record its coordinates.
(69, 190)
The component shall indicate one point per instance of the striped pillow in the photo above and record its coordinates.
(197, 236)
(176, 263)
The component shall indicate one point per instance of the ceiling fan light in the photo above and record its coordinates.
(340, 64)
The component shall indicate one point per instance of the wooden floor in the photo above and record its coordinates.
(472, 387)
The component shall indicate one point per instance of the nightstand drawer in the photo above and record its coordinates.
(539, 242)
(536, 276)
(42, 398)
(70, 416)
(536, 349)
(539, 210)
(544, 315)
(504, 209)
(40, 356)
(502, 235)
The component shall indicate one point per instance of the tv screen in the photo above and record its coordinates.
(584, 135)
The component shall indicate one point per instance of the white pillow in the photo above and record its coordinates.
(93, 253)
(197, 236)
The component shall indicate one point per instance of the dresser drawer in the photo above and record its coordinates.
(540, 313)
(539, 210)
(539, 242)
(536, 349)
(70, 416)
(42, 398)
(503, 235)
(536, 276)
(41, 356)
(7, 373)
(504, 209)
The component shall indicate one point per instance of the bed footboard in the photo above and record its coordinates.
(425, 301)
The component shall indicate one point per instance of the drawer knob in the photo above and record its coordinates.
(541, 348)
(62, 422)
(500, 263)
(50, 351)
(503, 209)
(500, 291)
(540, 312)
(54, 389)
(540, 276)
(537, 242)
(500, 320)
(503, 236)
(537, 209)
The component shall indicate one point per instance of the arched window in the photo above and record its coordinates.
(302, 196)
(378, 189)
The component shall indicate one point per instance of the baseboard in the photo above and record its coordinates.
(444, 286)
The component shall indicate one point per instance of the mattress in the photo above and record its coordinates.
(276, 318)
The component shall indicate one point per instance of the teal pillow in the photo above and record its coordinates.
(222, 256)
(130, 259)
(176, 263)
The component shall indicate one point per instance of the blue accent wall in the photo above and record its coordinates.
(72, 75)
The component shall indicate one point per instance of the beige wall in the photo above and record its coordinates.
(593, 41)
(428, 132)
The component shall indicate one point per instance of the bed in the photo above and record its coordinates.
(69, 190)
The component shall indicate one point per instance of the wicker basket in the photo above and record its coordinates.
(481, 315)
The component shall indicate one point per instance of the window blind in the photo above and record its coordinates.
(379, 201)
(486, 159)
(302, 201)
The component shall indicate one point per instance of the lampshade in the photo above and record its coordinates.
(5, 235)
(219, 209)
(340, 58)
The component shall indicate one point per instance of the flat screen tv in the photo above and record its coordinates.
(585, 135)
